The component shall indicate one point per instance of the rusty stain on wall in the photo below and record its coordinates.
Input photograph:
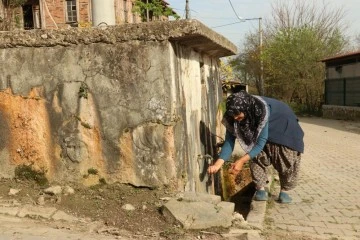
(89, 131)
(29, 130)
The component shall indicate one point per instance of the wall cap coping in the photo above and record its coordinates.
(191, 33)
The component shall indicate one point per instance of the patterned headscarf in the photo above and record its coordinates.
(256, 115)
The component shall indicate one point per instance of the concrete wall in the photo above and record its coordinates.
(341, 112)
(137, 103)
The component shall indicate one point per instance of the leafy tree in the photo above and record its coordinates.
(297, 37)
(226, 71)
(155, 8)
(293, 68)
(11, 14)
(13, 3)
(247, 65)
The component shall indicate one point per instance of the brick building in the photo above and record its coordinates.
(53, 14)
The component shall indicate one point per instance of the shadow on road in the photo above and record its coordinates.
(341, 125)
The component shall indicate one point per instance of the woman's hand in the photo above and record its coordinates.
(215, 168)
(236, 167)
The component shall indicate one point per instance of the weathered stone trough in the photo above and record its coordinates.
(135, 103)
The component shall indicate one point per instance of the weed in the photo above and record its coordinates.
(83, 91)
(86, 125)
(307, 200)
(102, 181)
(93, 171)
(26, 172)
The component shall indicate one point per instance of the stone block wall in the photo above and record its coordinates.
(341, 112)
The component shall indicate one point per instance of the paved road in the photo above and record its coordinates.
(327, 200)
(15, 228)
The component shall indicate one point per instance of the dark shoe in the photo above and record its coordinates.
(261, 195)
(284, 198)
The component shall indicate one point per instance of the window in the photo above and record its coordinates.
(71, 13)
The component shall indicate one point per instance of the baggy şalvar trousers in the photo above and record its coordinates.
(285, 160)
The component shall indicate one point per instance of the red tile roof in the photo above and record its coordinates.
(345, 55)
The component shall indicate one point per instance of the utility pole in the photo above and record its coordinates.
(147, 11)
(262, 88)
(187, 10)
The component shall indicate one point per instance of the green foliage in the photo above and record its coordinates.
(26, 172)
(85, 125)
(295, 40)
(83, 91)
(14, 3)
(93, 171)
(297, 75)
(155, 7)
(222, 106)
(226, 71)
(246, 66)
(102, 181)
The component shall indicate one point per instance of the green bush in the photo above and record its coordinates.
(26, 172)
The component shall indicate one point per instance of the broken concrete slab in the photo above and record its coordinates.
(242, 234)
(36, 212)
(201, 212)
(199, 197)
(60, 215)
(12, 211)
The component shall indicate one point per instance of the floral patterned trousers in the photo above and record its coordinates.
(285, 160)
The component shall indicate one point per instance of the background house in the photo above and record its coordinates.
(342, 86)
(53, 14)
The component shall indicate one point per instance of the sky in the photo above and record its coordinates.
(215, 13)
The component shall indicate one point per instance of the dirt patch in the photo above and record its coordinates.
(104, 203)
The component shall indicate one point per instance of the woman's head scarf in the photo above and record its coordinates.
(256, 115)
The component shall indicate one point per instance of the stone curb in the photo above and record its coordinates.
(35, 212)
(256, 216)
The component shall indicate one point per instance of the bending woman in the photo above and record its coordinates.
(269, 133)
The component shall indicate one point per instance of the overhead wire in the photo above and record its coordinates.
(226, 25)
(237, 16)
(232, 6)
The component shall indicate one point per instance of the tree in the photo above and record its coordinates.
(296, 38)
(297, 75)
(247, 65)
(357, 42)
(10, 14)
(156, 8)
(226, 71)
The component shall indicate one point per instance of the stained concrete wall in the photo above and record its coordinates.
(341, 112)
(137, 103)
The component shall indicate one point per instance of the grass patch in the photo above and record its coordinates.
(93, 171)
(26, 172)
